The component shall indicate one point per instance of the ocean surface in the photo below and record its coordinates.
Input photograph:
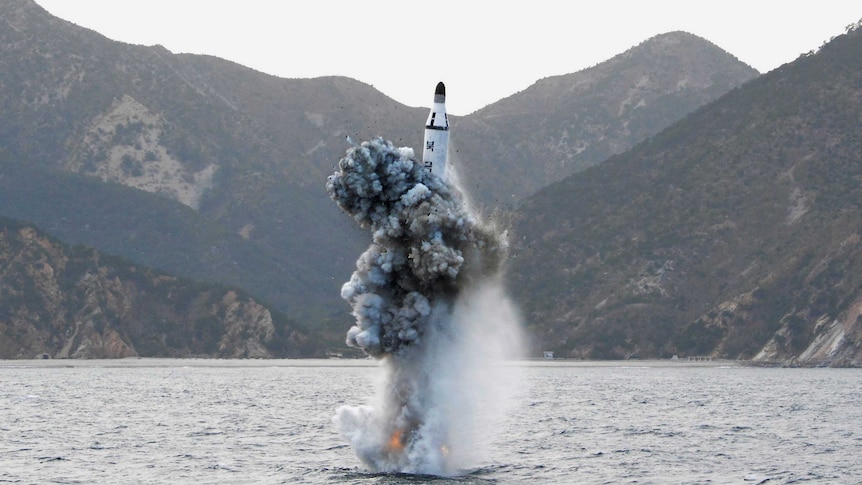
(261, 421)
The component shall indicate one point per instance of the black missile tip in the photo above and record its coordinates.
(441, 89)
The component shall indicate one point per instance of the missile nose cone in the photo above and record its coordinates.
(440, 93)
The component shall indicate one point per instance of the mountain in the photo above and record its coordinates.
(563, 124)
(185, 163)
(209, 170)
(74, 302)
(734, 233)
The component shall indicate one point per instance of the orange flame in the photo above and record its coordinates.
(395, 441)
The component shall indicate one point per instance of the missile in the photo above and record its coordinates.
(437, 135)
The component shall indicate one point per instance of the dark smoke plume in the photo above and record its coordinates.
(426, 247)
(428, 303)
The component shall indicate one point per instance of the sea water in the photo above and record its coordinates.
(270, 421)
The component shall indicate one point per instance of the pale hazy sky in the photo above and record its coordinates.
(482, 50)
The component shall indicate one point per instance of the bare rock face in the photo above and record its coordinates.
(76, 303)
(95, 345)
(248, 326)
(124, 145)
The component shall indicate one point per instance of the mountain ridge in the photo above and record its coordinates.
(563, 124)
(210, 170)
(730, 233)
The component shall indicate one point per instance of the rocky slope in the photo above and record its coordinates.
(734, 233)
(210, 170)
(213, 171)
(63, 302)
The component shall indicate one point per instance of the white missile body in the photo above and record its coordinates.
(436, 151)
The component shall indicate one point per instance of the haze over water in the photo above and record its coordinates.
(211, 421)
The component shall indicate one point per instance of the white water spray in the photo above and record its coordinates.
(428, 303)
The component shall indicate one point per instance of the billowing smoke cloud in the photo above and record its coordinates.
(425, 246)
(427, 302)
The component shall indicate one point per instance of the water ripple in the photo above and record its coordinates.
(270, 422)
